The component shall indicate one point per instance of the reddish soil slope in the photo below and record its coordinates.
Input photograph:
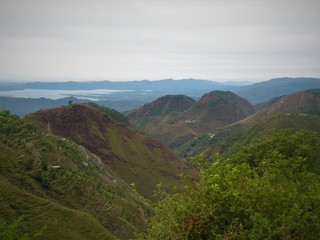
(134, 157)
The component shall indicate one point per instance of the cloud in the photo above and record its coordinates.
(218, 40)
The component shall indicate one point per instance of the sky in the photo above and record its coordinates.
(219, 40)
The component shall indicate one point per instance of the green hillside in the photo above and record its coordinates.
(61, 190)
(107, 133)
(222, 139)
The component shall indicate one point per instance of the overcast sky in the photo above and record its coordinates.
(218, 40)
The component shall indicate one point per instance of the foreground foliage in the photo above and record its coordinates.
(268, 190)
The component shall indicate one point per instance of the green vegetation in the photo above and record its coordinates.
(11, 231)
(267, 190)
(222, 139)
(52, 188)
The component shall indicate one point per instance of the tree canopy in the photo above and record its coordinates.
(267, 190)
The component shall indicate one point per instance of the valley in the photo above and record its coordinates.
(84, 171)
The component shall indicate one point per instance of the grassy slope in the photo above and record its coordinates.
(223, 139)
(304, 102)
(53, 220)
(80, 200)
(133, 156)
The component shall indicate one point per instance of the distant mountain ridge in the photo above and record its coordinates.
(24, 106)
(163, 84)
(141, 92)
(264, 91)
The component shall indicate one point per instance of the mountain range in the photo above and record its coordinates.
(127, 96)
(264, 91)
(24, 106)
(83, 171)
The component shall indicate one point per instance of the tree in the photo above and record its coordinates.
(277, 197)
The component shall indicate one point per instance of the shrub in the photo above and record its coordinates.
(271, 194)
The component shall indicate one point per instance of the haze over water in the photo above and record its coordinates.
(94, 95)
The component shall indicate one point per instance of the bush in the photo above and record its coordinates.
(277, 197)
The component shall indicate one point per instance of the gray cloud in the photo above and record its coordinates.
(123, 40)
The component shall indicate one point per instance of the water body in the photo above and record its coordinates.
(93, 95)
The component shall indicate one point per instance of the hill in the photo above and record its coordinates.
(108, 134)
(213, 110)
(160, 107)
(303, 102)
(267, 103)
(263, 91)
(227, 138)
(222, 107)
(297, 111)
(54, 188)
(164, 105)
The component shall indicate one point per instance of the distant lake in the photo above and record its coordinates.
(93, 95)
